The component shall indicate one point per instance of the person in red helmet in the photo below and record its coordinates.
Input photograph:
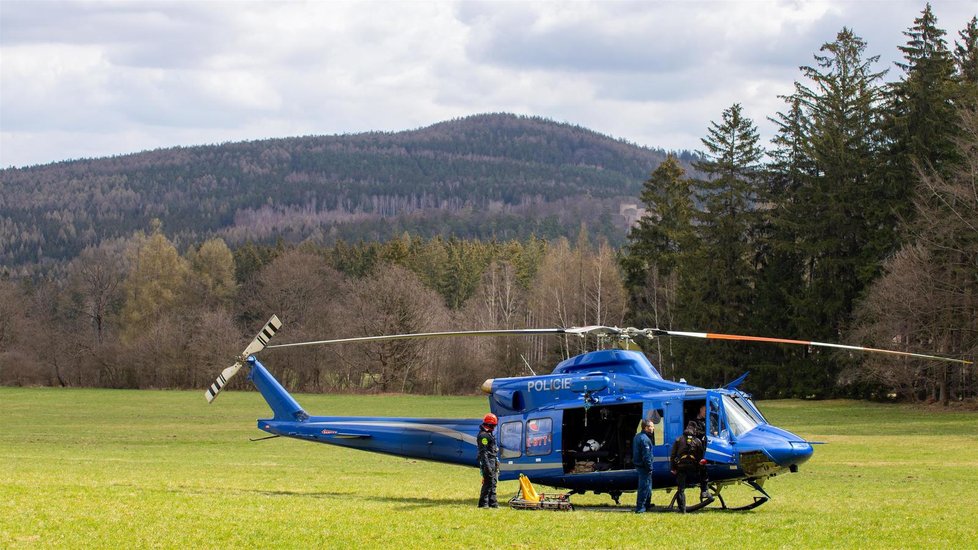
(488, 463)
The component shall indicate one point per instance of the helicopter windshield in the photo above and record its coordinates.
(739, 416)
(749, 407)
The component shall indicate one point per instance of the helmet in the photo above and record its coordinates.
(490, 420)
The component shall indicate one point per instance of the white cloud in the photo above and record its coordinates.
(99, 78)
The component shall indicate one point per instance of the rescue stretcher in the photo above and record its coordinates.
(527, 498)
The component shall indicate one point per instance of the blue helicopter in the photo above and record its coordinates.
(569, 429)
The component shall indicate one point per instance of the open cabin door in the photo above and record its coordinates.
(599, 438)
(718, 447)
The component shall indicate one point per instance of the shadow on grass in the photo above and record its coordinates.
(408, 502)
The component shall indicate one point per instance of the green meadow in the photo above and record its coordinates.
(122, 469)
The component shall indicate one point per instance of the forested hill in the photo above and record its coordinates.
(495, 175)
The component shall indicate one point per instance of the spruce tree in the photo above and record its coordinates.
(778, 260)
(922, 119)
(842, 211)
(966, 65)
(718, 294)
(658, 248)
(661, 236)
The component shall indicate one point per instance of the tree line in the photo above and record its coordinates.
(859, 226)
(137, 313)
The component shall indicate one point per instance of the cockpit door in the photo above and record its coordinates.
(718, 444)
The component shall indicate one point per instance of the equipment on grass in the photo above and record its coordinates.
(527, 498)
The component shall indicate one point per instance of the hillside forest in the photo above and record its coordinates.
(856, 224)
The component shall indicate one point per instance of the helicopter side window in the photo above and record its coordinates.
(510, 435)
(539, 439)
(659, 435)
(715, 427)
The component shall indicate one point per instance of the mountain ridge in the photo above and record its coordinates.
(493, 175)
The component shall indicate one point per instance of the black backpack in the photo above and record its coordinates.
(690, 450)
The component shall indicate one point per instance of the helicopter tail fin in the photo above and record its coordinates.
(279, 400)
(256, 345)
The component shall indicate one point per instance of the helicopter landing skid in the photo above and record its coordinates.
(758, 500)
(673, 507)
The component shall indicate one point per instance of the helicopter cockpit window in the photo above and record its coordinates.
(740, 420)
(510, 435)
(538, 436)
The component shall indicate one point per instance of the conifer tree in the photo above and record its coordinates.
(657, 248)
(777, 259)
(842, 211)
(966, 65)
(922, 120)
(716, 291)
(665, 232)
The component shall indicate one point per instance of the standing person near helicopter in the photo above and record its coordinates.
(488, 462)
(686, 463)
(642, 459)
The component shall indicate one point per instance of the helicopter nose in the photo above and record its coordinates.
(791, 453)
(785, 448)
(797, 452)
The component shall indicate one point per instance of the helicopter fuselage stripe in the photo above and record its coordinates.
(455, 434)
(507, 467)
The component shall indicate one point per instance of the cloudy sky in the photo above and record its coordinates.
(85, 79)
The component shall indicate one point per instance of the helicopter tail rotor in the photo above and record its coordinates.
(256, 345)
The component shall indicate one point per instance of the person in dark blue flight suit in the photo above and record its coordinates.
(642, 459)
(488, 462)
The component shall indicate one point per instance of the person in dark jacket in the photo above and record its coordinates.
(686, 462)
(488, 462)
(642, 458)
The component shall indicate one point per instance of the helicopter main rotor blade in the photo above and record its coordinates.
(517, 332)
(256, 345)
(594, 329)
(738, 337)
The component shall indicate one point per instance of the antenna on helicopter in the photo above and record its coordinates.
(527, 364)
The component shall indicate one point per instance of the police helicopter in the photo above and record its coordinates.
(569, 429)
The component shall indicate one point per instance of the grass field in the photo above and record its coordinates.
(120, 469)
